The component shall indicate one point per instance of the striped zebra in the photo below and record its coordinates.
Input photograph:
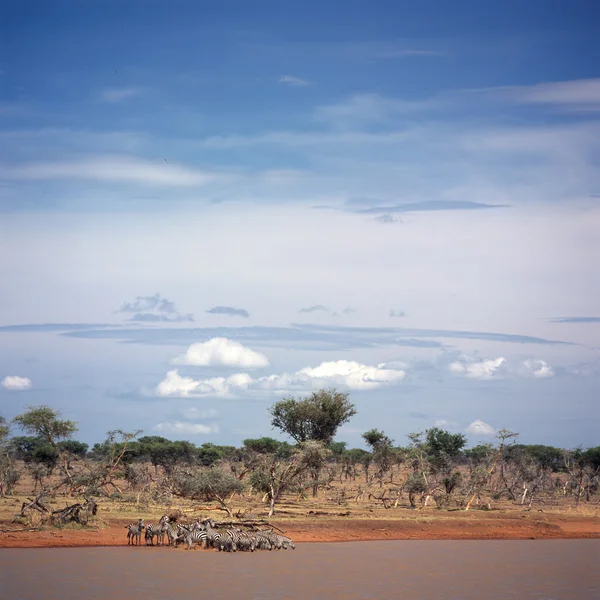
(170, 529)
(243, 540)
(134, 533)
(261, 541)
(220, 539)
(194, 535)
(154, 531)
(278, 541)
(226, 541)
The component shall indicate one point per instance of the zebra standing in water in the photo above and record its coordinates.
(242, 539)
(134, 533)
(278, 541)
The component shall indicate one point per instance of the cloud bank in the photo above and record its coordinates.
(346, 374)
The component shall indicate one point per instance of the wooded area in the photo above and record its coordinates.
(435, 468)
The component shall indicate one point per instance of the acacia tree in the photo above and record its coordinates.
(382, 448)
(208, 484)
(8, 473)
(44, 422)
(279, 472)
(434, 456)
(316, 418)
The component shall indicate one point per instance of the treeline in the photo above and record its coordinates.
(434, 466)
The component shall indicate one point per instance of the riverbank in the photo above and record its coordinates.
(475, 525)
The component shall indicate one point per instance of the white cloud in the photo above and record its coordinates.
(176, 386)
(183, 428)
(538, 369)
(578, 94)
(478, 369)
(116, 95)
(479, 427)
(221, 352)
(291, 80)
(353, 375)
(110, 168)
(14, 383)
(341, 373)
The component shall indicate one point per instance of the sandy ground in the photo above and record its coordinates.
(413, 526)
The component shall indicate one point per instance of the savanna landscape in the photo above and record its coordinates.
(56, 491)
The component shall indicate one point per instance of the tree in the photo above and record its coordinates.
(44, 422)
(209, 484)
(275, 476)
(435, 453)
(382, 448)
(8, 472)
(317, 417)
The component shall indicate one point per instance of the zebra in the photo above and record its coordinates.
(134, 532)
(170, 529)
(243, 540)
(154, 531)
(221, 540)
(194, 535)
(225, 541)
(261, 541)
(278, 541)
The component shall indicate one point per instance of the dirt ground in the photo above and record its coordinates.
(474, 525)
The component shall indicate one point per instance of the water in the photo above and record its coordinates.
(410, 570)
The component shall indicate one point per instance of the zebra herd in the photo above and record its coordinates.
(205, 534)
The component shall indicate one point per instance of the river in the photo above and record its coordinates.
(410, 570)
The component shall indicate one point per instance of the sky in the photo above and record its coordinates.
(206, 207)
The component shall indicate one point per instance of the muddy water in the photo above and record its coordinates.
(411, 570)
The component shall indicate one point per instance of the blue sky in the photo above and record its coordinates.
(205, 207)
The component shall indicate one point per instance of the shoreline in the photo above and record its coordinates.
(462, 526)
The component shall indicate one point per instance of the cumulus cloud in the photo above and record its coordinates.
(479, 427)
(14, 383)
(176, 386)
(341, 373)
(293, 81)
(153, 309)
(478, 369)
(183, 428)
(228, 310)
(537, 368)
(221, 352)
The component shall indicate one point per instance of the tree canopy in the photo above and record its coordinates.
(317, 417)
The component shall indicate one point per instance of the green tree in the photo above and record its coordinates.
(9, 475)
(317, 417)
(208, 484)
(275, 475)
(382, 448)
(45, 423)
